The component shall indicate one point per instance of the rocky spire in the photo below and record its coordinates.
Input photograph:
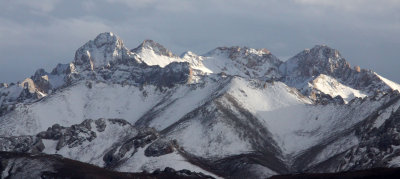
(105, 49)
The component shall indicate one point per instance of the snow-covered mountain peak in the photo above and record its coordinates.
(153, 53)
(323, 69)
(153, 46)
(309, 63)
(324, 52)
(319, 59)
(105, 49)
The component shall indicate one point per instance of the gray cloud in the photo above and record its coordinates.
(47, 32)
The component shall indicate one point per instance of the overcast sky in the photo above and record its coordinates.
(41, 33)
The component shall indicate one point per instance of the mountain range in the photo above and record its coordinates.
(233, 112)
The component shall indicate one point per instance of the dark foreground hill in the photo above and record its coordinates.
(22, 165)
(360, 174)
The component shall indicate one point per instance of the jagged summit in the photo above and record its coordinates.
(154, 46)
(311, 62)
(105, 49)
(107, 38)
(302, 70)
(324, 52)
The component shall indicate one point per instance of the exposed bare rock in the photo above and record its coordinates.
(161, 147)
(23, 144)
(115, 155)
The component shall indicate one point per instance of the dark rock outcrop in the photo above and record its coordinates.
(24, 144)
(116, 154)
(161, 147)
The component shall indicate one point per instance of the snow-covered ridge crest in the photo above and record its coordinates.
(241, 61)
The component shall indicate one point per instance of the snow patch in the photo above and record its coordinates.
(332, 87)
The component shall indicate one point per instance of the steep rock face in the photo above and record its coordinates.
(173, 73)
(41, 80)
(61, 69)
(105, 49)
(311, 62)
(322, 73)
